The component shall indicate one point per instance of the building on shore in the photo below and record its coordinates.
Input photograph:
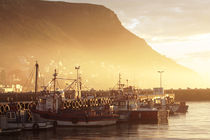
(13, 88)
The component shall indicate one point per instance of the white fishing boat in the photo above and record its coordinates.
(19, 120)
(5, 128)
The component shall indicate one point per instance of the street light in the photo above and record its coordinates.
(160, 77)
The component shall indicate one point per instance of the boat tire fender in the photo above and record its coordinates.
(35, 126)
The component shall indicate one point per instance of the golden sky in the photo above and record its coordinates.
(178, 29)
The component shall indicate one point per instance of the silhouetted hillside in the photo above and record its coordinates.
(61, 35)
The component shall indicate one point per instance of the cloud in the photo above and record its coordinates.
(199, 55)
(133, 23)
(198, 61)
(160, 18)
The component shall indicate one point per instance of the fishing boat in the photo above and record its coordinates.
(167, 101)
(19, 119)
(52, 106)
(131, 109)
(4, 128)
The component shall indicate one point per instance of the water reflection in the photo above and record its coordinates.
(194, 125)
(122, 131)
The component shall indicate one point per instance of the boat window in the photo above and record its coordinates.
(42, 101)
(122, 103)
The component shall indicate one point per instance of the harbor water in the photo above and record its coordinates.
(193, 125)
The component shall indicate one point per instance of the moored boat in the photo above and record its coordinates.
(166, 101)
(20, 120)
(52, 107)
(4, 127)
(130, 110)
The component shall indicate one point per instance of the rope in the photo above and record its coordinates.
(27, 80)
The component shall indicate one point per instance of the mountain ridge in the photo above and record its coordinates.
(85, 34)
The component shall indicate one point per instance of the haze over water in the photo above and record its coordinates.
(194, 125)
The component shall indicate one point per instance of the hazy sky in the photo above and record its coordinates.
(179, 29)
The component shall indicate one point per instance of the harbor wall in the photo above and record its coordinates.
(180, 95)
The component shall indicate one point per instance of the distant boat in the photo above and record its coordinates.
(129, 110)
(128, 106)
(167, 102)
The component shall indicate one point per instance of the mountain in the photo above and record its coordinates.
(61, 35)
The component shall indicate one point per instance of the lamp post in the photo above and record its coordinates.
(160, 72)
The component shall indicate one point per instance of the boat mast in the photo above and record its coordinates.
(54, 79)
(36, 77)
(119, 82)
(78, 91)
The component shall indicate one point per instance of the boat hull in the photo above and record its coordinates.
(143, 116)
(31, 125)
(89, 123)
(67, 119)
(9, 131)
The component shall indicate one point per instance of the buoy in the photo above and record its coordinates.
(102, 101)
(29, 115)
(108, 101)
(65, 104)
(22, 106)
(80, 103)
(27, 106)
(88, 103)
(99, 101)
(7, 108)
(73, 104)
(19, 106)
(68, 104)
(31, 105)
(92, 103)
(77, 104)
(96, 102)
(2, 108)
(84, 103)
